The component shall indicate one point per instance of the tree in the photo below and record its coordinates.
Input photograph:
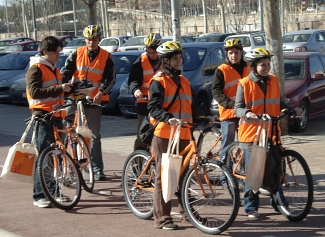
(274, 45)
(92, 11)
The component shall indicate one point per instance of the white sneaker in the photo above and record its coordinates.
(43, 202)
(253, 214)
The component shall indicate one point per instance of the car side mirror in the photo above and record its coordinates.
(318, 76)
(209, 71)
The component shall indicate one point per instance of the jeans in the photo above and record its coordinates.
(93, 115)
(228, 132)
(44, 137)
(251, 201)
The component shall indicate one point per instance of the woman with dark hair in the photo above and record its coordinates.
(258, 93)
(162, 89)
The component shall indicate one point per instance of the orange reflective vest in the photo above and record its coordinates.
(48, 104)
(258, 103)
(231, 77)
(91, 71)
(181, 108)
(148, 73)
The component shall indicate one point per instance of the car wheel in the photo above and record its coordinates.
(202, 102)
(300, 124)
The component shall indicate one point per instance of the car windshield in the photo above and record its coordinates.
(109, 42)
(77, 42)
(13, 48)
(123, 63)
(294, 68)
(193, 58)
(4, 43)
(14, 61)
(134, 41)
(296, 38)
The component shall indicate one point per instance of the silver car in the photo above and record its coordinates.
(111, 44)
(304, 40)
(73, 45)
(134, 43)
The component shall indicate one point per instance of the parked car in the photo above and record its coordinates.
(304, 40)
(22, 46)
(111, 44)
(251, 40)
(200, 61)
(213, 37)
(123, 63)
(65, 39)
(7, 41)
(134, 43)
(73, 45)
(184, 39)
(304, 74)
(18, 88)
(13, 66)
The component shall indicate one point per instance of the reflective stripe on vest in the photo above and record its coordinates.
(48, 104)
(148, 73)
(181, 108)
(231, 77)
(258, 103)
(91, 71)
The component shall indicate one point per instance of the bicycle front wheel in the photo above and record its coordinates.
(59, 178)
(82, 154)
(297, 187)
(138, 198)
(209, 143)
(214, 210)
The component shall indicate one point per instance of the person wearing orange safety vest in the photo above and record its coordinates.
(44, 91)
(258, 93)
(92, 66)
(162, 89)
(142, 71)
(224, 87)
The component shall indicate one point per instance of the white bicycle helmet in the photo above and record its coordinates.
(257, 54)
(92, 31)
(169, 48)
(152, 40)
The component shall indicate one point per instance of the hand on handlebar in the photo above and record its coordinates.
(66, 87)
(298, 111)
(138, 94)
(251, 115)
(174, 121)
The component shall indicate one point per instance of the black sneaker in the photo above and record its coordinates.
(100, 176)
(170, 226)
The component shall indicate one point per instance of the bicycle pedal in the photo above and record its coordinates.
(82, 160)
(145, 184)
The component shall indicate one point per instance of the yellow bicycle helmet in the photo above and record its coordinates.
(92, 31)
(257, 54)
(152, 40)
(169, 48)
(233, 43)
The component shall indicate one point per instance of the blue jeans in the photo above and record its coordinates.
(251, 201)
(93, 115)
(43, 139)
(228, 132)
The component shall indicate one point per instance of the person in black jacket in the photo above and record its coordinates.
(142, 70)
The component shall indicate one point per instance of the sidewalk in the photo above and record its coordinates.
(104, 212)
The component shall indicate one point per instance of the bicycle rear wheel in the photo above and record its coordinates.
(138, 199)
(82, 153)
(215, 212)
(209, 143)
(234, 152)
(297, 187)
(59, 178)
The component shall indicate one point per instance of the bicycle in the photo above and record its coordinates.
(59, 173)
(296, 180)
(79, 146)
(208, 206)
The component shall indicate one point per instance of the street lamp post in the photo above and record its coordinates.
(34, 20)
(162, 18)
(7, 20)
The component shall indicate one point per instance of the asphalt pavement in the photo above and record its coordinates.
(104, 212)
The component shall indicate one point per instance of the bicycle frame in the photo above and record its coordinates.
(191, 150)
